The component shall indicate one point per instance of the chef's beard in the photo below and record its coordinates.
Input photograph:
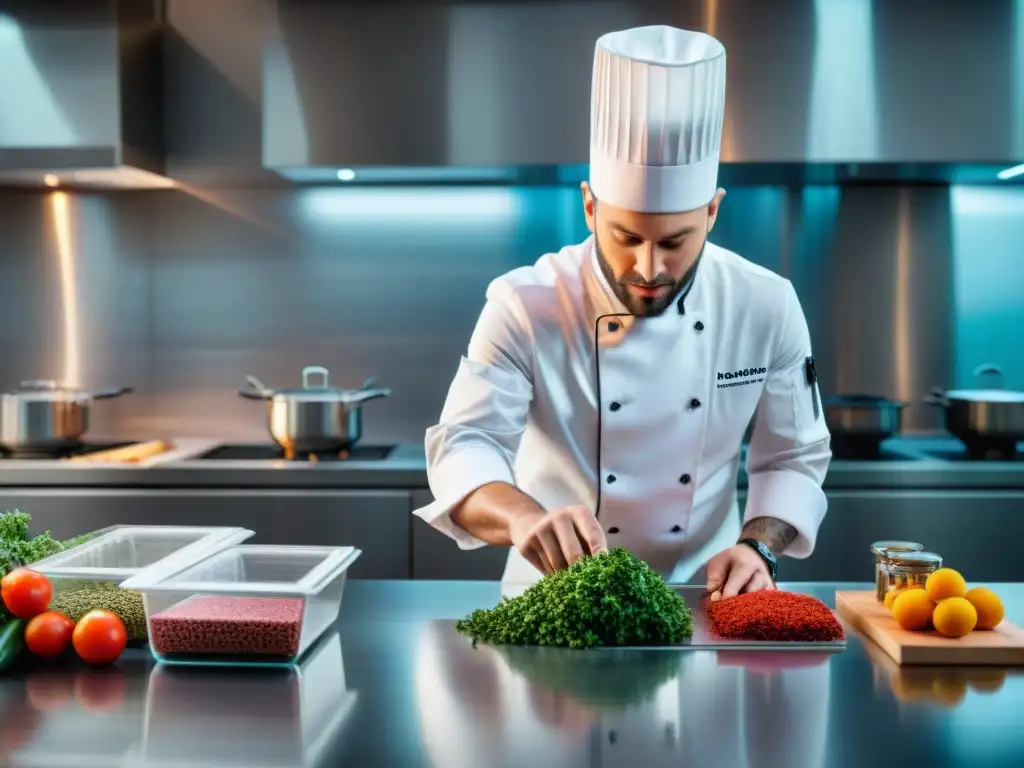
(644, 306)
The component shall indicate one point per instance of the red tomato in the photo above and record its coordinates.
(49, 634)
(26, 593)
(99, 637)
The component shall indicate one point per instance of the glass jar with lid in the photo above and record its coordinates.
(878, 549)
(908, 569)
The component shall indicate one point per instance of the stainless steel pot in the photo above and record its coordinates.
(859, 424)
(983, 419)
(45, 417)
(315, 417)
(863, 415)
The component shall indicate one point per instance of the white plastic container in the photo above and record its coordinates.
(122, 551)
(247, 604)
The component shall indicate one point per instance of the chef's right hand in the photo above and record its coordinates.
(555, 540)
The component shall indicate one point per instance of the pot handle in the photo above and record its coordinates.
(358, 398)
(937, 397)
(988, 369)
(314, 370)
(258, 391)
(108, 394)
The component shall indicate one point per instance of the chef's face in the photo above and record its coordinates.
(647, 257)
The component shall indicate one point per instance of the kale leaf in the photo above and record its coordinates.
(17, 549)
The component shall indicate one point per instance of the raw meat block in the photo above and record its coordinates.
(242, 625)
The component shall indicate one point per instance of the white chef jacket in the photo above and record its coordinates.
(567, 396)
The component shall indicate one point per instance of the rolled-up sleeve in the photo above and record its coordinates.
(790, 447)
(484, 416)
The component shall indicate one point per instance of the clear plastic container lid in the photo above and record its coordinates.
(249, 569)
(122, 551)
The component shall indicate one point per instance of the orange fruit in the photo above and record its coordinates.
(955, 617)
(988, 605)
(892, 594)
(913, 609)
(945, 583)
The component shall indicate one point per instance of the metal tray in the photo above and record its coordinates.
(703, 639)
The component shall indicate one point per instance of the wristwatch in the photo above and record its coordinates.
(766, 554)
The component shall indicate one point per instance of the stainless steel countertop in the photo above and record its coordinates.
(396, 686)
(406, 468)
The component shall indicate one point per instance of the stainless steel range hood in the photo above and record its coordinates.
(80, 93)
(493, 85)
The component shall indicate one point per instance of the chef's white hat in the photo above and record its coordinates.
(656, 119)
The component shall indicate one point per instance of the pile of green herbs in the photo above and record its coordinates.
(611, 599)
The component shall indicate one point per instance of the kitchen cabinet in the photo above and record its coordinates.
(377, 522)
(435, 556)
(974, 531)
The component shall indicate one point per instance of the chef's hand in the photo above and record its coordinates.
(555, 540)
(737, 570)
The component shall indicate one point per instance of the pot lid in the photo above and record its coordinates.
(986, 395)
(315, 394)
(320, 391)
(54, 392)
(47, 390)
(861, 401)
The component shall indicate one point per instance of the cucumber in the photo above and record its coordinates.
(12, 641)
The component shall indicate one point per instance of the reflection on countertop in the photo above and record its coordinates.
(137, 714)
(410, 692)
(632, 708)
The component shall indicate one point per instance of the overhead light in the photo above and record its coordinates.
(50, 180)
(346, 174)
(1009, 173)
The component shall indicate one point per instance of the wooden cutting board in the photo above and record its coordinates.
(1002, 646)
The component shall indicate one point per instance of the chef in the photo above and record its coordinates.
(607, 388)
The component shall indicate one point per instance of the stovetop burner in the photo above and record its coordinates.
(978, 455)
(863, 448)
(264, 452)
(79, 450)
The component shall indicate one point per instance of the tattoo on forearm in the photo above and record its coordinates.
(776, 534)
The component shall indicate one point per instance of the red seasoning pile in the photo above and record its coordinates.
(773, 615)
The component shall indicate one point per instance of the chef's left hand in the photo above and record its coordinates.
(737, 570)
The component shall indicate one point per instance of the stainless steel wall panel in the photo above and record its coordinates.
(508, 83)
(75, 295)
(181, 296)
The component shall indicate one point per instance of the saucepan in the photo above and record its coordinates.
(860, 423)
(983, 419)
(863, 415)
(47, 417)
(316, 416)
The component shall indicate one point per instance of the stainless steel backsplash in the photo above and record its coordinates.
(182, 294)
